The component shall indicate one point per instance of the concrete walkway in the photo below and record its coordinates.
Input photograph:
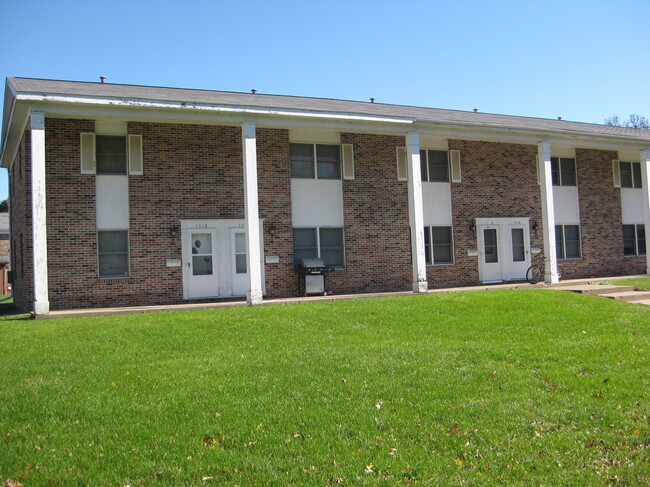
(586, 286)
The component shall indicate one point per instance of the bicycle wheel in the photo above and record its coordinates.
(533, 274)
(560, 272)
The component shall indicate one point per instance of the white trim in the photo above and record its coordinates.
(548, 211)
(416, 213)
(134, 154)
(454, 166)
(248, 110)
(645, 183)
(347, 161)
(402, 164)
(251, 212)
(616, 171)
(39, 214)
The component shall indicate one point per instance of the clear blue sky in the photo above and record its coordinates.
(583, 60)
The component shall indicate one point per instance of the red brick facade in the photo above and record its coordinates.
(196, 172)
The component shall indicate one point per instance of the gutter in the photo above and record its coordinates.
(249, 110)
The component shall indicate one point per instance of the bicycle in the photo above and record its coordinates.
(535, 273)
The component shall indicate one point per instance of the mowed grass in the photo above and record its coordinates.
(640, 284)
(507, 387)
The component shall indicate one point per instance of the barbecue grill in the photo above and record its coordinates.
(312, 272)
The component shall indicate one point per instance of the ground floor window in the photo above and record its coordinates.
(634, 240)
(438, 245)
(567, 241)
(319, 242)
(113, 251)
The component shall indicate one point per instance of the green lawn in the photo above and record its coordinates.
(506, 387)
(642, 284)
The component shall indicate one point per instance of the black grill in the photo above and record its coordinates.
(313, 274)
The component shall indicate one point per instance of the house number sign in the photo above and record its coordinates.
(201, 225)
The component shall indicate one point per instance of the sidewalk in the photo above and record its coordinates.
(586, 286)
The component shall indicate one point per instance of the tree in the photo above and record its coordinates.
(635, 122)
(4, 206)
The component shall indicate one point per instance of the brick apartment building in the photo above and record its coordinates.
(132, 195)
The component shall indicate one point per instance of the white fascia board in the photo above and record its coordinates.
(167, 115)
(241, 110)
(529, 136)
(15, 130)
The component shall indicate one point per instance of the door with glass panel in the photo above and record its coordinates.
(200, 262)
(239, 266)
(518, 253)
(490, 266)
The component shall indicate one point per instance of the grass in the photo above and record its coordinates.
(641, 284)
(513, 387)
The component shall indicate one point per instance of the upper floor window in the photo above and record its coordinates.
(563, 171)
(315, 161)
(434, 165)
(111, 154)
(630, 174)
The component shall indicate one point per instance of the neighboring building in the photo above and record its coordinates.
(4, 253)
(133, 195)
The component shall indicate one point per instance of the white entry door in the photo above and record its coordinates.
(239, 266)
(201, 268)
(490, 264)
(504, 250)
(519, 252)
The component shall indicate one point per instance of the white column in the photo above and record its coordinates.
(548, 211)
(39, 225)
(645, 182)
(251, 212)
(416, 213)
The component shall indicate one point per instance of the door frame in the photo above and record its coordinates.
(224, 255)
(504, 246)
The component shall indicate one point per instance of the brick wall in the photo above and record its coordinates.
(21, 226)
(601, 224)
(274, 175)
(195, 172)
(498, 180)
(375, 214)
(190, 172)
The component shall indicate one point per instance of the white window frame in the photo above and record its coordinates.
(559, 171)
(315, 162)
(430, 254)
(424, 161)
(635, 184)
(318, 242)
(560, 232)
(128, 254)
(636, 240)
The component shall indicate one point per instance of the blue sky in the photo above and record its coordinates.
(581, 60)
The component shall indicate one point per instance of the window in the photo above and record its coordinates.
(315, 161)
(113, 250)
(634, 240)
(567, 241)
(563, 171)
(110, 154)
(630, 174)
(438, 245)
(319, 242)
(434, 166)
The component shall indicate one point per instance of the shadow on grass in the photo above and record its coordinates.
(9, 311)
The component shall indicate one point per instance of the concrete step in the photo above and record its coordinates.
(628, 295)
(597, 289)
(611, 289)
